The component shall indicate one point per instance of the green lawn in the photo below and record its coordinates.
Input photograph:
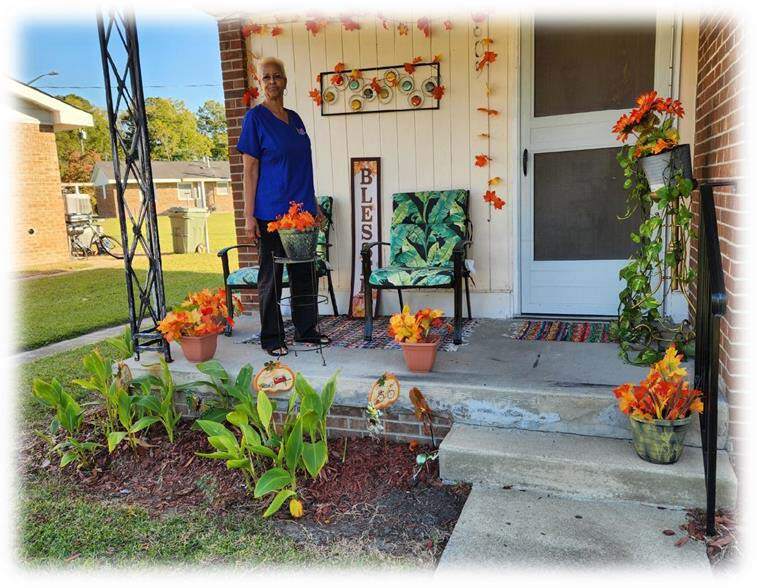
(59, 525)
(54, 308)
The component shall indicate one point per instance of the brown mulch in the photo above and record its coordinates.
(723, 547)
(370, 497)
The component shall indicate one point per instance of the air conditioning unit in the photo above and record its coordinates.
(78, 204)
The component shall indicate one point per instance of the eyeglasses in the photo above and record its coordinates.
(269, 77)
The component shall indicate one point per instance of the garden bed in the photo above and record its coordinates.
(365, 495)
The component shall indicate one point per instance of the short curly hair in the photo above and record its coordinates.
(273, 61)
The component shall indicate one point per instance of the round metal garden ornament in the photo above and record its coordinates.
(407, 84)
(415, 99)
(428, 86)
(384, 392)
(355, 84)
(356, 103)
(369, 93)
(385, 94)
(274, 378)
(391, 76)
(329, 95)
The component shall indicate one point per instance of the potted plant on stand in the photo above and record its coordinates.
(196, 323)
(413, 333)
(660, 409)
(298, 230)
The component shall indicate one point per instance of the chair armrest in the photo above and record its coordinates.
(368, 246)
(225, 251)
(461, 246)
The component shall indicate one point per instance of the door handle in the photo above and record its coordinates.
(525, 162)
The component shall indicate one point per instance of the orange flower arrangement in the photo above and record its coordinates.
(295, 218)
(663, 395)
(201, 313)
(414, 328)
(654, 133)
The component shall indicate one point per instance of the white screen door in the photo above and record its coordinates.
(577, 78)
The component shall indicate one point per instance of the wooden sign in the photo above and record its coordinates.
(273, 378)
(365, 174)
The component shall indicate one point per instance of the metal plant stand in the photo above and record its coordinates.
(300, 301)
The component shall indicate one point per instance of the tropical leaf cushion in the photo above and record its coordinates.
(396, 275)
(248, 276)
(326, 203)
(426, 226)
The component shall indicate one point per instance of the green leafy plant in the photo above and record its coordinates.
(68, 419)
(123, 343)
(229, 391)
(157, 398)
(271, 456)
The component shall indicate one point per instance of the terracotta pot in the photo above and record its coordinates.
(420, 357)
(197, 349)
(659, 441)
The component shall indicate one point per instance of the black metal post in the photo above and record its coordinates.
(130, 147)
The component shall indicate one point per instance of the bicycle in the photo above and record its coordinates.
(87, 239)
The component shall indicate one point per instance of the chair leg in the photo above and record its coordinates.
(331, 293)
(230, 307)
(368, 306)
(457, 338)
(467, 297)
(402, 304)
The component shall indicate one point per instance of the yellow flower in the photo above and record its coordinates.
(295, 508)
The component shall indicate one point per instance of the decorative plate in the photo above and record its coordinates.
(275, 377)
(415, 99)
(385, 391)
(356, 103)
(407, 84)
(329, 95)
(428, 86)
(385, 94)
(355, 85)
(391, 76)
(369, 93)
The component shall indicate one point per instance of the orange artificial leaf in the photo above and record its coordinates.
(437, 58)
(482, 160)
(337, 79)
(486, 41)
(246, 30)
(356, 74)
(488, 57)
(417, 59)
(375, 85)
(438, 92)
(339, 67)
(422, 409)
(409, 67)
(487, 89)
(495, 181)
(447, 25)
(498, 203)
(249, 95)
(484, 135)
(276, 31)
(402, 29)
(488, 111)
(315, 26)
(349, 23)
(318, 79)
(315, 94)
(424, 24)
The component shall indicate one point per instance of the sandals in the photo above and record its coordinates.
(314, 339)
(278, 351)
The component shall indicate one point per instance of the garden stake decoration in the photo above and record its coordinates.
(657, 267)
(660, 409)
(423, 412)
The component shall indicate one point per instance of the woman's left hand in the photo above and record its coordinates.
(318, 215)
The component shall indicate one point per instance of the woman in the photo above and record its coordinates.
(278, 170)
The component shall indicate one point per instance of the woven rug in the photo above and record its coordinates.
(348, 333)
(573, 331)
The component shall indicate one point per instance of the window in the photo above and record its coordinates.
(186, 191)
(222, 188)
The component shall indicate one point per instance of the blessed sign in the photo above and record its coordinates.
(366, 224)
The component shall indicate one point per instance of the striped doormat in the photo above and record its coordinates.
(573, 331)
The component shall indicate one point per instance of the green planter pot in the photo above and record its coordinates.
(659, 441)
(299, 245)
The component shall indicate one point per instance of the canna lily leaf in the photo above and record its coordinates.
(314, 457)
(143, 423)
(265, 410)
(114, 439)
(294, 446)
(273, 480)
(278, 501)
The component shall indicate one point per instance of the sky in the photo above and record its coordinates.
(175, 53)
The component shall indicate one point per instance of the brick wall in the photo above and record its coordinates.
(40, 222)
(719, 153)
(234, 73)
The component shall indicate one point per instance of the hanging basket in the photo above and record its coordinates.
(661, 168)
(659, 441)
(299, 245)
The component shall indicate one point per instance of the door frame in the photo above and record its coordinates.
(668, 25)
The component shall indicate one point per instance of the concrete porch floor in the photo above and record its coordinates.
(491, 380)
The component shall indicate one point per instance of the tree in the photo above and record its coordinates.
(211, 122)
(77, 154)
(173, 130)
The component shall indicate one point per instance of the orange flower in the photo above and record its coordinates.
(315, 94)
(201, 313)
(249, 95)
(407, 328)
(402, 29)
(339, 67)
(482, 160)
(491, 197)
(424, 24)
(276, 31)
(316, 25)
(295, 218)
(350, 24)
(486, 59)
(337, 79)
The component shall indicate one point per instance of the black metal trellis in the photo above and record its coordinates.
(119, 49)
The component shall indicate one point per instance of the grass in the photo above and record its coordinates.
(55, 308)
(59, 525)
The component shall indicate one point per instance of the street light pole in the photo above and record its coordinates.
(50, 73)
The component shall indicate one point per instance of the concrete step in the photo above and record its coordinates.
(590, 467)
(526, 530)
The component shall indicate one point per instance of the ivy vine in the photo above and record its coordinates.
(657, 267)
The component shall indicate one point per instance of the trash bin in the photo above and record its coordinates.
(188, 229)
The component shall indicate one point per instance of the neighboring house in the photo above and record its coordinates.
(557, 89)
(177, 183)
(40, 210)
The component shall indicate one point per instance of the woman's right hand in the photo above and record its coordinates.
(251, 229)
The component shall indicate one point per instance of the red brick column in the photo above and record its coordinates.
(234, 72)
(719, 154)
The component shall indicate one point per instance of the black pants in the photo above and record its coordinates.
(302, 283)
